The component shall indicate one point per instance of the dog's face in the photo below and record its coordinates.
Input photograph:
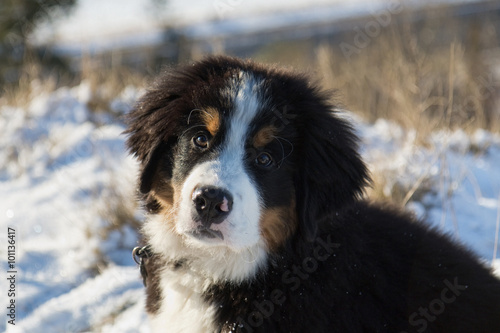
(237, 155)
(231, 171)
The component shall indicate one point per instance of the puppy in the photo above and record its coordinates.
(253, 185)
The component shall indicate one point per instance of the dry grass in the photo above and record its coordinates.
(31, 83)
(425, 89)
(106, 83)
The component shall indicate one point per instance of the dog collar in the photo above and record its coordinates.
(139, 254)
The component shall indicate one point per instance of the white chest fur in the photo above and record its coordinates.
(182, 310)
(182, 307)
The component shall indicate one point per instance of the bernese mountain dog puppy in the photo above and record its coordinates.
(253, 186)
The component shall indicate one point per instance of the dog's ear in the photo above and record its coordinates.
(152, 133)
(151, 150)
(159, 154)
(331, 173)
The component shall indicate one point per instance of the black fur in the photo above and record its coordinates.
(385, 270)
(351, 266)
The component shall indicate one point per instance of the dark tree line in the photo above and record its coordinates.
(18, 20)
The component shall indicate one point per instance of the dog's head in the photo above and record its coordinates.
(236, 154)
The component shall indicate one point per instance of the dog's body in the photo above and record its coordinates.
(253, 188)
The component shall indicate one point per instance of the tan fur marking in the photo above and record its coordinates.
(264, 136)
(164, 192)
(277, 225)
(162, 187)
(211, 118)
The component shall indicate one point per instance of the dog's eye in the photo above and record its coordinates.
(201, 141)
(264, 160)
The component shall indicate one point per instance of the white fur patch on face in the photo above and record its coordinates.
(240, 229)
(246, 106)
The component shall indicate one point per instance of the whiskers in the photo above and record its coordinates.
(280, 139)
(200, 110)
(190, 128)
(196, 126)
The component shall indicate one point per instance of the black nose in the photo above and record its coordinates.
(212, 204)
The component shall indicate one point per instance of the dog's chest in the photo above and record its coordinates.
(182, 308)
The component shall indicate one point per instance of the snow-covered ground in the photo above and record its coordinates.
(61, 166)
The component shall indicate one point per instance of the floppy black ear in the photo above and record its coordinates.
(331, 173)
(151, 150)
(159, 153)
(152, 130)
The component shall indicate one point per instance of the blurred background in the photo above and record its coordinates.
(421, 80)
(406, 57)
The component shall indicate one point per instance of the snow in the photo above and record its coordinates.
(63, 167)
(95, 26)
(459, 175)
(59, 171)
(91, 19)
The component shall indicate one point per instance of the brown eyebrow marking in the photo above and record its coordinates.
(264, 136)
(211, 118)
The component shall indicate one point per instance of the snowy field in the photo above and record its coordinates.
(61, 166)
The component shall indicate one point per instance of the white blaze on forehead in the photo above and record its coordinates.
(246, 101)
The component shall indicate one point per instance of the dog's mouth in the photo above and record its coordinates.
(206, 233)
